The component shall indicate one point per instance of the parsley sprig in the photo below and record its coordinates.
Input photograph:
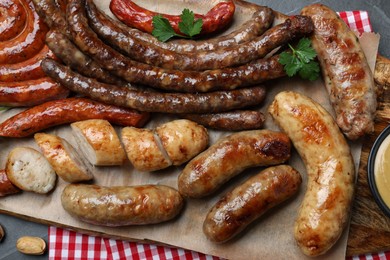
(190, 27)
(301, 61)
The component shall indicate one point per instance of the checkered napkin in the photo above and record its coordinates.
(65, 244)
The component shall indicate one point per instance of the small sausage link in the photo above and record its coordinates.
(138, 17)
(121, 205)
(6, 186)
(31, 92)
(29, 42)
(249, 201)
(237, 120)
(63, 111)
(230, 156)
(151, 101)
(26, 70)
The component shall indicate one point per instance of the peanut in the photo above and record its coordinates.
(1, 233)
(31, 245)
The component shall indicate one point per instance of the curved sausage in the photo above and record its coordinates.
(52, 15)
(347, 75)
(151, 54)
(63, 111)
(228, 157)
(144, 100)
(138, 17)
(68, 53)
(26, 70)
(174, 80)
(121, 205)
(12, 19)
(325, 209)
(29, 42)
(237, 120)
(249, 201)
(255, 26)
(31, 92)
(6, 186)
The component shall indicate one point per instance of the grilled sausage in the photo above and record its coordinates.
(121, 205)
(65, 50)
(26, 70)
(175, 80)
(6, 186)
(249, 201)
(138, 17)
(52, 14)
(228, 157)
(138, 50)
(255, 26)
(68, 110)
(29, 42)
(237, 120)
(347, 75)
(12, 20)
(31, 92)
(154, 101)
(325, 209)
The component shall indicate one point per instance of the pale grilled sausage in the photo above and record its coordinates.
(249, 201)
(230, 156)
(324, 212)
(347, 75)
(121, 205)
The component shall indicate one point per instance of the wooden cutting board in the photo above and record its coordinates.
(370, 228)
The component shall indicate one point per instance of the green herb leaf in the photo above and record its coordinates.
(301, 61)
(188, 25)
(162, 29)
(4, 108)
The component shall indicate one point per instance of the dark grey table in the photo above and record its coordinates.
(379, 12)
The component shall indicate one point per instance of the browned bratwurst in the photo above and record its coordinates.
(249, 201)
(228, 157)
(236, 120)
(120, 39)
(246, 32)
(150, 101)
(52, 15)
(26, 70)
(31, 92)
(347, 76)
(28, 42)
(121, 205)
(183, 81)
(65, 111)
(69, 54)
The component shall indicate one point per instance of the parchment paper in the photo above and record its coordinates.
(271, 237)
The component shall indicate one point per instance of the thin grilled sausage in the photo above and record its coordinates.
(254, 27)
(68, 53)
(138, 17)
(121, 205)
(237, 120)
(63, 111)
(151, 54)
(175, 80)
(249, 201)
(228, 157)
(347, 76)
(26, 70)
(325, 209)
(29, 42)
(52, 14)
(12, 20)
(31, 92)
(150, 101)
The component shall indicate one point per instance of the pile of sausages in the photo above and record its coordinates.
(107, 61)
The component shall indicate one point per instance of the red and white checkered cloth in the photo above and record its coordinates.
(65, 244)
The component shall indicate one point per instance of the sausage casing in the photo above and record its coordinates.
(347, 76)
(330, 169)
(121, 205)
(248, 201)
(229, 156)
